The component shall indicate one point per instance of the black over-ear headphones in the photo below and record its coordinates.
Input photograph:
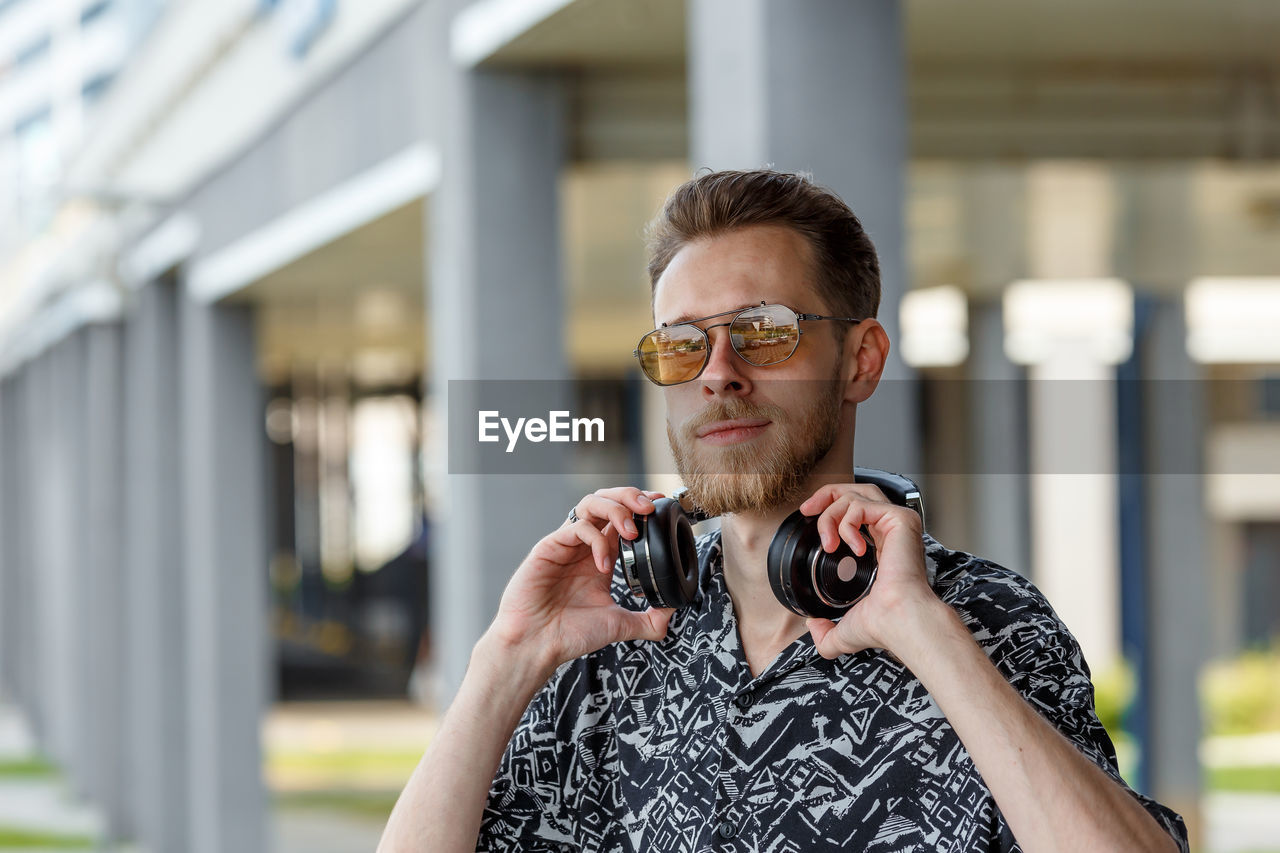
(661, 563)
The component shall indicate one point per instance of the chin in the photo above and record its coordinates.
(741, 478)
(727, 494)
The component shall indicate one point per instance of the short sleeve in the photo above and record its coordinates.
(525, 810)
(1017, 628)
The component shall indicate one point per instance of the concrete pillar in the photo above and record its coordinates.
(994, 207)
(25, 661)
(999, 485)
(44, 673)
(37, 488)
(1074, 531)
(1071, 334)
(107, 664)
(812, 85)
(154, 582)
(1178, 565)
(84, 563)
(224, 560)
(58, 462)
(8, 561)
(1072, 324)
(11, 579)
(495, 313)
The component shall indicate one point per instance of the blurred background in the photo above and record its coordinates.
(246, 244)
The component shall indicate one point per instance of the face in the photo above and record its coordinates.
(747, 438)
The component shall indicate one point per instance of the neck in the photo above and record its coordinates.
(762, 620)
(765, 626)
(745, 538)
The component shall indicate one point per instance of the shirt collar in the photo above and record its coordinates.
(717, 623)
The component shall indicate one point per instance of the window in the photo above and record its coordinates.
(94, 88)
(32, 52)
(93, 12)
(33, 124)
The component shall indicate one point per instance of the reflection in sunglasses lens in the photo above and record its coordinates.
(765, 335)
(673, 354)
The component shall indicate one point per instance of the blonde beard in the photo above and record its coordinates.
(750, 478)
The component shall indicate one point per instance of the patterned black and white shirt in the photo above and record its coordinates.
(674, 746)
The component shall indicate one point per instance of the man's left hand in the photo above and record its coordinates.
(1051, 795)
(901, 590)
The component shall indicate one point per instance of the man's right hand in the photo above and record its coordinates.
(557, 606)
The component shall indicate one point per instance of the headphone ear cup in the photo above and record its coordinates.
(810, 582)
(661, 563)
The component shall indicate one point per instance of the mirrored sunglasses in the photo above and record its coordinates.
(761, 335)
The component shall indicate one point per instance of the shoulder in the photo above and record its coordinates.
(1006, 613)
(987, 588)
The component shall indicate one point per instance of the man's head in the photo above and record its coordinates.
(747, 437)
(846, 271)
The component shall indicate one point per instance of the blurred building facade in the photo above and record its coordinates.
(271, 232)
(57, 60)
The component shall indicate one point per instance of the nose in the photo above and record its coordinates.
(724, 374)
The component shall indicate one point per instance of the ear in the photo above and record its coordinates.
(866, 349)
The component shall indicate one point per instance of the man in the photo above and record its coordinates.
(950, 709)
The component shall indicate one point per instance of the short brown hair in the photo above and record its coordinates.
(848, 271)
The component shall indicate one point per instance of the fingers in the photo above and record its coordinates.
(850, 531)
(827, 495)
(848, 512)
(616, 506)
(601, 545)
(829, 523)
(570, 538)
(601, 517)
(842, 521)
(637, 500)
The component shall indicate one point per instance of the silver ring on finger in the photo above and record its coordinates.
(573, 515)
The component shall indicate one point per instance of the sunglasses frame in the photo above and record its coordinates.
(737, 312)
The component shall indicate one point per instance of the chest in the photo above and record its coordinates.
(826, 752)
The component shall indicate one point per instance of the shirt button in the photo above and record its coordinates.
(744, 699)
(726, 829)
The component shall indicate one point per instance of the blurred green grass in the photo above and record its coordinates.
(1242, 695)
(1263, 779)
(373, 805)
(18, 838)
(394, 763)
(26, 767)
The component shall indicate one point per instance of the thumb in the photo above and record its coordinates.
(823, 638)
(649, 624)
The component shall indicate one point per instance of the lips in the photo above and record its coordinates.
(732, 431)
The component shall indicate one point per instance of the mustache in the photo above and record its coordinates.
(731, 409)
